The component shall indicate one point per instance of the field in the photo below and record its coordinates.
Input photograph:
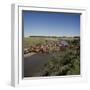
(51, 56)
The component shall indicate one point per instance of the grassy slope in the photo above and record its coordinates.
(32, 41)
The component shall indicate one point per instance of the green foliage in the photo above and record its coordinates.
(65, 63)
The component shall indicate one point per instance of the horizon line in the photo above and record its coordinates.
(51, 36)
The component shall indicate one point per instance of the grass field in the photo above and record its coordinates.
(32, 41)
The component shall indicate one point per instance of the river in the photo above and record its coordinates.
(33, 64)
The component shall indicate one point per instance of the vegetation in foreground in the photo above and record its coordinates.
(65, 63)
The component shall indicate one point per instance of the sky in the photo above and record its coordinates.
(37, 23)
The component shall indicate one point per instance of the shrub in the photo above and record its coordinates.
(65, 63)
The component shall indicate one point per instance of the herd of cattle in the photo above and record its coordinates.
(53, 46)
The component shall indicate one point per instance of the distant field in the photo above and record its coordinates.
(32, 41)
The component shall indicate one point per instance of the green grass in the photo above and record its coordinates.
(33, 41)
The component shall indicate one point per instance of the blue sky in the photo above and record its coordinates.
(38, 23)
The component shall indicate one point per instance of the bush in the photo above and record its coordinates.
(65, 63)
